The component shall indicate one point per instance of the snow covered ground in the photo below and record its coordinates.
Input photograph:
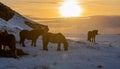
(81, 55)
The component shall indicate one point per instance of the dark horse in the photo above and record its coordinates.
(8, 40)
(92, 35)
(30, 35)
(54, 38)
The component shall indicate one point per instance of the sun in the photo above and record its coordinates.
(70, 8)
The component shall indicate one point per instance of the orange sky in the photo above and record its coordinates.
(36, 9)
(49, 8)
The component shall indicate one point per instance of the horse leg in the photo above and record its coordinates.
(0, 46)
(34, 43)
(23, 42)
(89, 38)
(20, 41)
(13, 49)
(14, 52)
(66, 46)
(59, 47)
(94, 40)
(45, 45)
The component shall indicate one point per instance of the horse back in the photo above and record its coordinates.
(24, 32)
(56, 38)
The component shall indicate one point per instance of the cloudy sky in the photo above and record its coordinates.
(46, 11)
(49, 8)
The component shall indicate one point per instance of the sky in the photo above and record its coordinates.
(48, 11)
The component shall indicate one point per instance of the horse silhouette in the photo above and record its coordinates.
(30, 35)
(8, 40)
(54, 38)
(92, 35)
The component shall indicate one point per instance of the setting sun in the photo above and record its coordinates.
(70, 8)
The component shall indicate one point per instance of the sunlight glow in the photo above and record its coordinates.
(70, 8)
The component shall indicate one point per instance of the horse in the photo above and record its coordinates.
(30, 35)
(8, 40)
(92, 35)
(54, 38)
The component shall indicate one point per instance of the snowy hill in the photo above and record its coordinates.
(14, 22)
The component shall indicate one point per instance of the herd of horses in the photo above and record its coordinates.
(46, 37)
(10, 41)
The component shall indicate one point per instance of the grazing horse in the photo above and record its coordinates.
(54, 38)
(8, 40)
(92, 35)
(30, 35)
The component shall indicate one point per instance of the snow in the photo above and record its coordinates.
(81, 55)
(18, 20)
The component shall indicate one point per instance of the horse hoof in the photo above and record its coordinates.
(58, 50)
(23, 45)
(65, 50)
(16, 57)
(45, 49)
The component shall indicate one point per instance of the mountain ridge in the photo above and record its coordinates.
(10, 16)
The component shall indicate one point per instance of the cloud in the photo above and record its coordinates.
(105, 24)
(44, 2)
(106, 21)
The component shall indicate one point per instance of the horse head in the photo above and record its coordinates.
(3, 32)
(45, 28)
(96, 32)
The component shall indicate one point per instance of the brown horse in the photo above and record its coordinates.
(8, 40)
(30, 35)
(92, 35)
(54, 38)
